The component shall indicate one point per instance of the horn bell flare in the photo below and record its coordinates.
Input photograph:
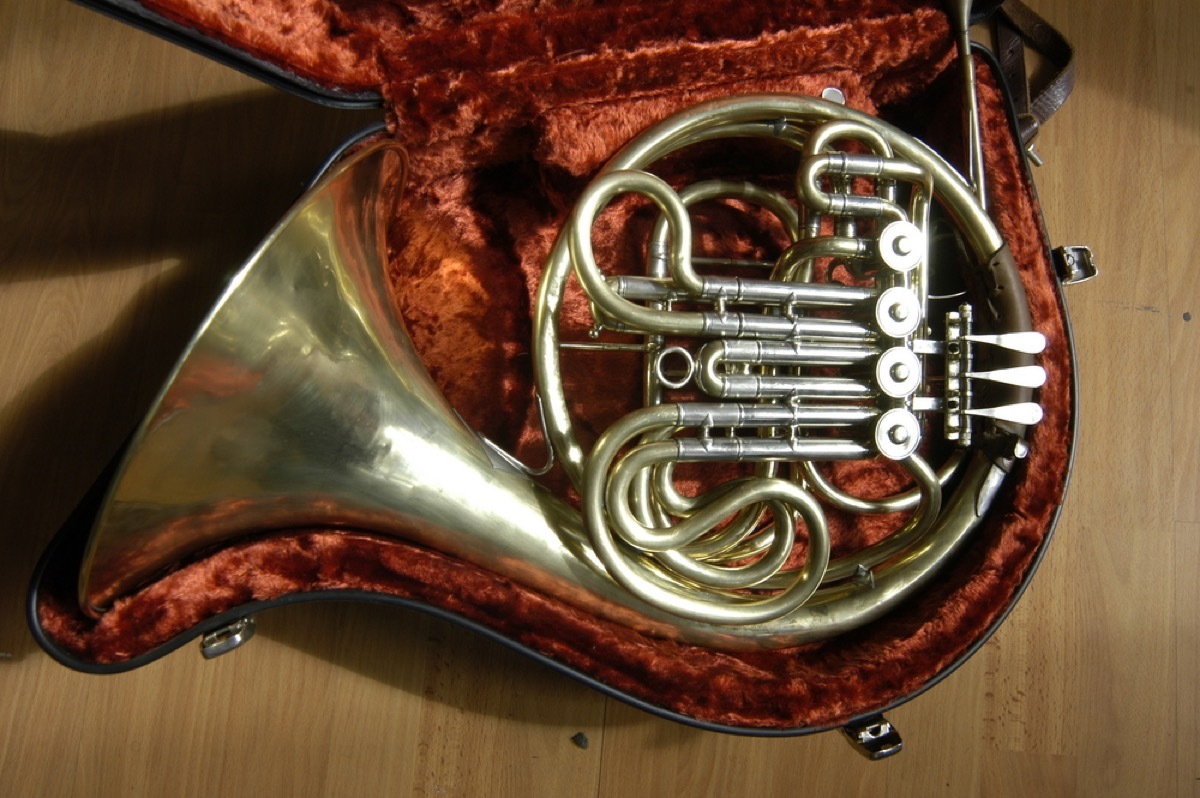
(300, 401)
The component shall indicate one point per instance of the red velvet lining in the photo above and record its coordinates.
(505, 109)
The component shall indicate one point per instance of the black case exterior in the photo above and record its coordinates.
(134, 13)
(63, 556)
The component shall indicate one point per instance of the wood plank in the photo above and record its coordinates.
(1179, 77)
(118, 154)
(1187, 662)
(1117, 595)
(495, 723)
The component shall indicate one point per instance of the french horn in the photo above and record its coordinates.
(301, 401)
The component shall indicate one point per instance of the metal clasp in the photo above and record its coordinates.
(874, 737)
(227, 638)
(1075, 264)
(1028, 126)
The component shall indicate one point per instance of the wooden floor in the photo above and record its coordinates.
(128, 168)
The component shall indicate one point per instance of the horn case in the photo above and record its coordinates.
(505, 109)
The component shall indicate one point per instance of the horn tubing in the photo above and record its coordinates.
(329, 418)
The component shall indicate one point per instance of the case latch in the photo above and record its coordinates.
(1074, 264)
(874, 737)
(227, 638)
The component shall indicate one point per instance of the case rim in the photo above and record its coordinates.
(68, 542)
(134, 13)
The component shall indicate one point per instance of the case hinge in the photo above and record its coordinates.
(874, 737)
(227, 638)
(1074, 264)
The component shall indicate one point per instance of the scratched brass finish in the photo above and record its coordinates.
(300, 402)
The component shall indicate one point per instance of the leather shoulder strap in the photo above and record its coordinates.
(1017, 26)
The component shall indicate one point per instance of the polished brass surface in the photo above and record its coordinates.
(301, 402)
(761, 367)
(960, 18)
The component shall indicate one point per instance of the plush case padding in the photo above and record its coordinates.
(505, 111)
